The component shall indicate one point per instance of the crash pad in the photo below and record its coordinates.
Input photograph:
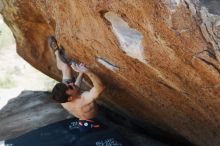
(64, 133)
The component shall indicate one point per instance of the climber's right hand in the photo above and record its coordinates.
(81, 68)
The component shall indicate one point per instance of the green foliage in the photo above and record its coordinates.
(7, 81)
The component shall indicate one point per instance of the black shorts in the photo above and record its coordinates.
(90, 125)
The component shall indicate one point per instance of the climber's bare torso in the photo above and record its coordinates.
(82, 105)
(81, 108)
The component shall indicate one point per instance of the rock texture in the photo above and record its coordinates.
(158, 58)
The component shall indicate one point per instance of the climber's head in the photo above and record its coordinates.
(64, 93)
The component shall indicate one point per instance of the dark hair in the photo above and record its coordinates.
(59, 93)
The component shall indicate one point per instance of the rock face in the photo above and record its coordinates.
(160, 60)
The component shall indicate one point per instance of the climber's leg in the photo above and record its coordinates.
(65, 68)
(61, 65)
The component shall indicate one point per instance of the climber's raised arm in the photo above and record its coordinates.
(79, 79)
(98, 86)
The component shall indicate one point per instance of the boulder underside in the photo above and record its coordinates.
(159, 59)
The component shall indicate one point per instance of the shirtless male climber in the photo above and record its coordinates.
(80, 104)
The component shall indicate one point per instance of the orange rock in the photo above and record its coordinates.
(172, 80)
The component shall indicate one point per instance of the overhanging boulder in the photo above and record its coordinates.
(159, 61)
